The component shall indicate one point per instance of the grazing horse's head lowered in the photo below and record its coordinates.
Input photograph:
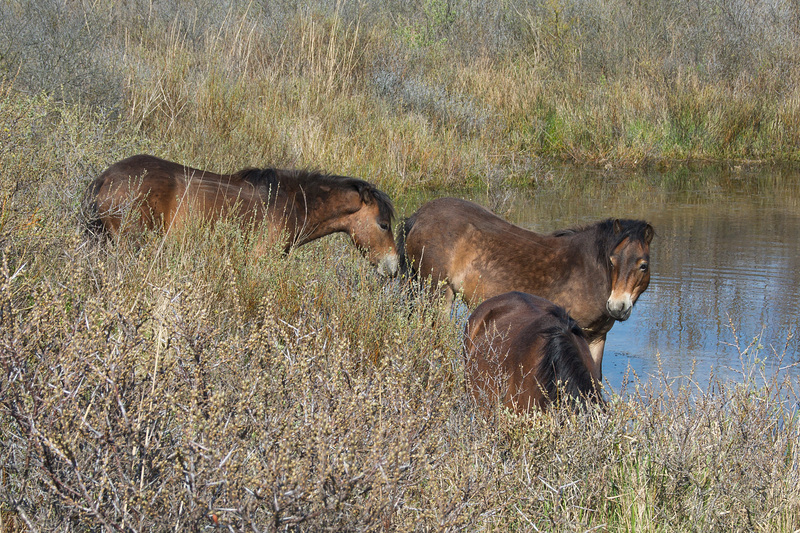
(371, 229)
(297, 206)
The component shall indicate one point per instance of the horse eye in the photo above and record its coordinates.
(643, 267)
(384, 226)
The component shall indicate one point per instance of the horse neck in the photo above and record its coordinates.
(582, 249)
(318, 217)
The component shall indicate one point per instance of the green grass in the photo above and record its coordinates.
(169, 384)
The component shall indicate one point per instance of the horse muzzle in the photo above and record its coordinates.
(389, 265)
(619, 309)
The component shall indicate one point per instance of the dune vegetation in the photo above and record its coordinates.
(181, 383)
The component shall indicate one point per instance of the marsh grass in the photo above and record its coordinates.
(140, 391)
(187, 383)
(423, 94)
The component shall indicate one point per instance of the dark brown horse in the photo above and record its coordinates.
(596, 272)
(526, 351)
(298, 206)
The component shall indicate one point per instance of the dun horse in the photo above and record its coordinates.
(298, 206)
(525, 351)
(596, 272)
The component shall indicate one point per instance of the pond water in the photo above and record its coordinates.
(725, 286)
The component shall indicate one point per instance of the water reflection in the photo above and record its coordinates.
(725, 265)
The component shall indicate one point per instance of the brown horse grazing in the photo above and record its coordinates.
(299, 206)
(526, 351)
(596, 272)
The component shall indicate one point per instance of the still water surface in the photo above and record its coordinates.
(725, 267)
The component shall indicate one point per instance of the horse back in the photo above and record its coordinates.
(477, 253)
(497, 347)
(163, 193)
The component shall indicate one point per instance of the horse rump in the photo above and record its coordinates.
(526, 352)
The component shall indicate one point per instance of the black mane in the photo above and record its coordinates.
(316, 184)
(561, 365)
(607, 237)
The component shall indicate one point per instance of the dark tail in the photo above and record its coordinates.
(90, 211)
(561, 371)
(407, 270)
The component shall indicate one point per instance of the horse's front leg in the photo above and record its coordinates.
(596, 347)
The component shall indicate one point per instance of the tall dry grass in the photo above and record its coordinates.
(423, 94)
(183, 384)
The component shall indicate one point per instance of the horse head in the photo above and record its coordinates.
(630, 266)
(370, 228)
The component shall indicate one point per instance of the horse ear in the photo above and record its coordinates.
(617, 226)
(649, 233)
